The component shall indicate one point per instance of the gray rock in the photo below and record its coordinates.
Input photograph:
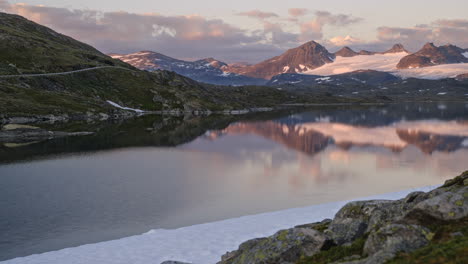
(445, 206)
(384, 244)
(286, 246)
(320, 226)
(352, 221)
(395, 238)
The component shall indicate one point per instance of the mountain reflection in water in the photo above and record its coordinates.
(158, 172)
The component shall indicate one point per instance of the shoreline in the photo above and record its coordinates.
(212, 239)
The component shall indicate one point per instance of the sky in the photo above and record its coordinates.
(247, 30)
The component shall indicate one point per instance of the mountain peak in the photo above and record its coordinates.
(431, 55)
(346, 52)
(429, 45)
(308, 56)
(397, 48)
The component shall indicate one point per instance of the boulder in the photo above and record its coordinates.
(286, 246)
(356, 218)
(395, 238)
(449, 205)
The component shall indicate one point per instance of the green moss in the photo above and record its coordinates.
(445, 247)
(337, 253)
(282, 235)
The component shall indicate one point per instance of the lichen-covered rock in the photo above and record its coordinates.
(352, 221)
(449, 202)
(395, 238)
(383, 244)
(319, 226)
(286, 246)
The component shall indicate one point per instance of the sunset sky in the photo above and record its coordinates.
(246, 30)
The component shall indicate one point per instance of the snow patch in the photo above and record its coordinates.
(323, 79)
(285, 69)
(203, 243)
(465, 143)
(443, 93)
(465, 54)
(378, 62)
(125, 108)
(433, 72)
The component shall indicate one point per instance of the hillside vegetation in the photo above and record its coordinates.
(29, 48)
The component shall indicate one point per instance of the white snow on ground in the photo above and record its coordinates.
(378, 62)
(434, 72)
(465, 143)
(199, 244)
(124, 108)
(465, 54)
(387, 63)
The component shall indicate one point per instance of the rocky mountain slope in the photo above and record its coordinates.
(346, 52)
(306, 57)
(26, 47)
(207, 70)
(431, 55)
(421, 228)
(312, 58)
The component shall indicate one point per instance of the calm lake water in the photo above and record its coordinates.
(152, 173)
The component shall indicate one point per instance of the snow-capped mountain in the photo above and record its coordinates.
(313, 59)
(431, 55)
(207, 70)
(348, 52)
(308, 56)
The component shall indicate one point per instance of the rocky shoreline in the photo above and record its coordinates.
(423, 227)
(17, 135)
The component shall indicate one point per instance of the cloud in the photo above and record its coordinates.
(440, 31)
(340, 41)
(122, 32)
(276, 34)
(298, 12)
(313, 29)
(258, 14)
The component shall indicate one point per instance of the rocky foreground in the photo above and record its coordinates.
(421, 228)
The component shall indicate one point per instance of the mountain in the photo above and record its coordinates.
(105, 88)
(207, 70)
(306, 57)
(431, 55)
(346, 52)
(366, 52)
(397, 48)
(27, 47)
(368, 77)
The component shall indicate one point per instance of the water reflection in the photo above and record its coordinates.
(154, 172)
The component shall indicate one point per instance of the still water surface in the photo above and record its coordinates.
(153, 173)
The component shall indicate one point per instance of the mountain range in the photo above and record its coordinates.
(309, 58)
(45, 75)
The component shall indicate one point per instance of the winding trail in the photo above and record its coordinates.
(62, 73)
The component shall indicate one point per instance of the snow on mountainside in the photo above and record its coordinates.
(311, 58)
(378, 62)
(387, 63)
(434, 72)
(431, 55)
(207, 70)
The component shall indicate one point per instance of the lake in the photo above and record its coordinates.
(160, 172)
